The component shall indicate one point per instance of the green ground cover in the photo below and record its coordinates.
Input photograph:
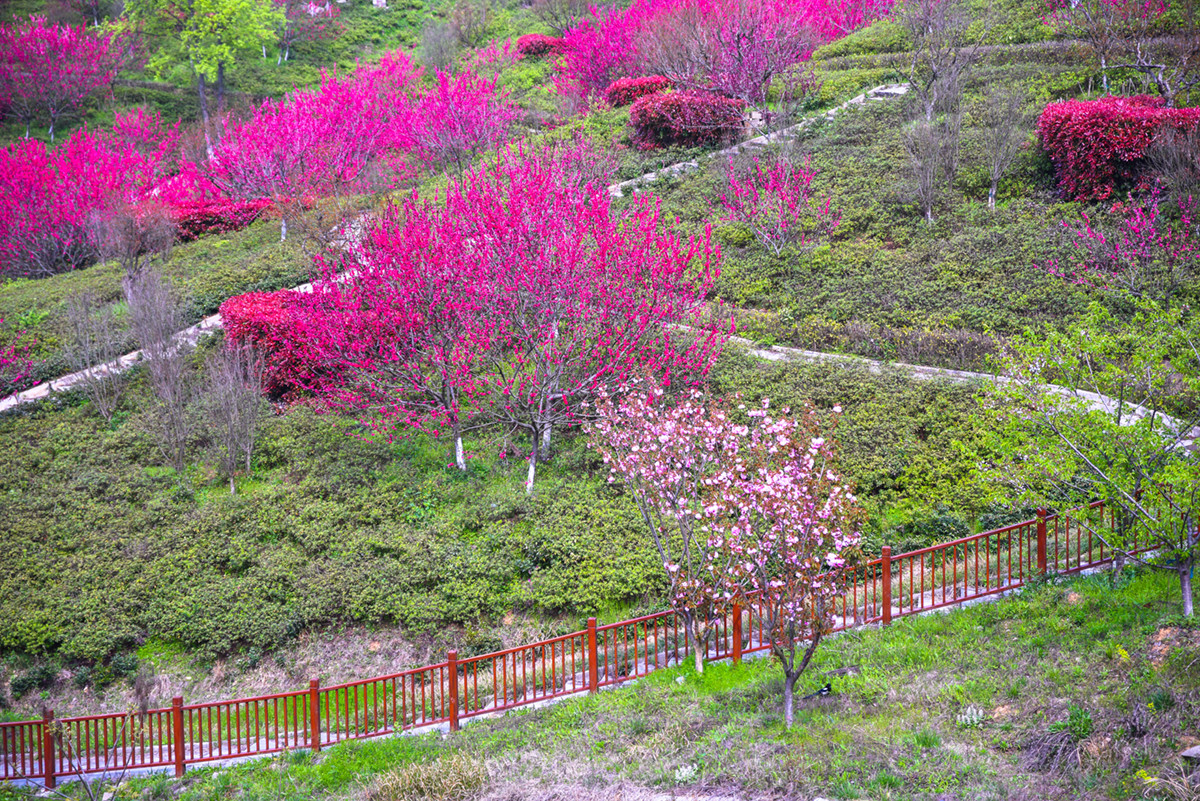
(100, 550)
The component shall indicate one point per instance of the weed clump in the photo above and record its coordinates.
(451, 778)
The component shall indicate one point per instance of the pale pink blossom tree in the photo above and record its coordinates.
(790, 517)
(668, 452)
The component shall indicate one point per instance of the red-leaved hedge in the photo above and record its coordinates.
(684, 118)
(266, 320)
(1098, 145)
(624, 91)
(536, 45)
(196, 218)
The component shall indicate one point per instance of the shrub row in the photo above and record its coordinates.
(624, 91)
(1098, 146)
(684, 118)
(538, 45)
(197, 218)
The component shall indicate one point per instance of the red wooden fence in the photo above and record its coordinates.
(599, 656)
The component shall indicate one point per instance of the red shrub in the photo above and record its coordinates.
(196, 218)
(537, 45)
(624, 91)
(1098, 144)
(684, 118)
(267, 320)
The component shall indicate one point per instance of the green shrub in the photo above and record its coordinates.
(38, 677)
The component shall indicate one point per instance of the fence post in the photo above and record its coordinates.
(452, 669)
(177, 726)
(737, 633)
(314, 713)
(1041, 541)
(887, 585)
(48, 747)
(593, 667)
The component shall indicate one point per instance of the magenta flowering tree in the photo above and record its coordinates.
(737, 48)
(513, 299)
(315, 143)
(48, 71)
(778, 205)
(48, 196)
(789, 517)
(669, 452)
(401, 328)
(1144, 254)
(583, 298)
(463, 116)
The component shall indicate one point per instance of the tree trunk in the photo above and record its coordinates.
(545, 452)
(533, 460)
(1185, 585)
(789, 693)
(699, 635)
(992, 196)
(460, 458)
(1104, 72)
(283, 229)
(208, 148)
(220, 87)
(232, 485)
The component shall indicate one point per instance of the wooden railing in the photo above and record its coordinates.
(599, 656)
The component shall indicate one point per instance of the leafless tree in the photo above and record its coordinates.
(134, 236)
(1006, 122)
(1175, 160)
(155, 319)
(94, 347)
(923, 143)
(439, 46)
(560, 15)
(235, 404)
(944, 51)
(470, 21)
(1097, 22)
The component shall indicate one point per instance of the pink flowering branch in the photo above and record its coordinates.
(1143, 254)
(777, 204)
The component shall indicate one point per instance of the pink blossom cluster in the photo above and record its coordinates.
(1144, 254)
(755, 513)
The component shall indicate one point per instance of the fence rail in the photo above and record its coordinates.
(599, 656)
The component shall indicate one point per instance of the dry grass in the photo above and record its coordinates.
(456, 777)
